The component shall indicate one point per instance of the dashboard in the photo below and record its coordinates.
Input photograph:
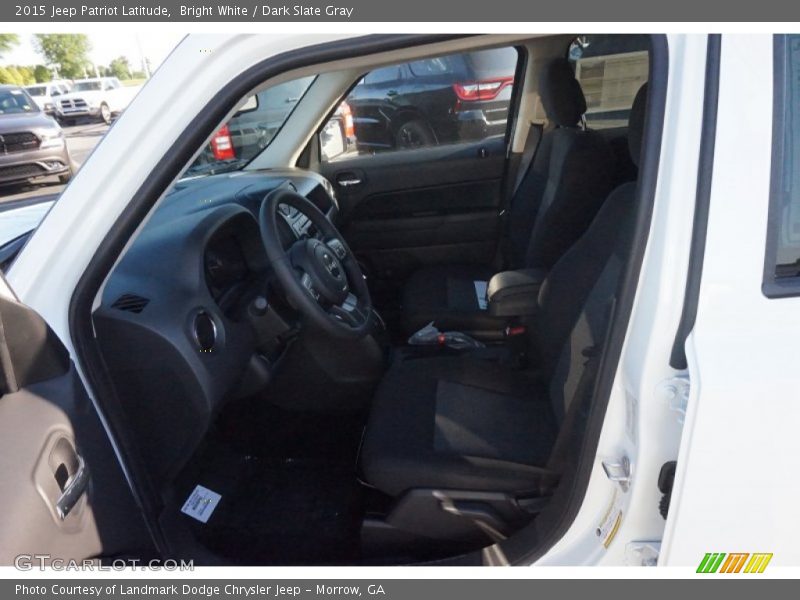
(192, 316)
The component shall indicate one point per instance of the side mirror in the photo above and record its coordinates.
(332, 140)
(249, 105)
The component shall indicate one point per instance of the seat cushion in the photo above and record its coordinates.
(458, 423)
(448, 296)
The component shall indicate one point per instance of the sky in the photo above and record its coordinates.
(105, 47)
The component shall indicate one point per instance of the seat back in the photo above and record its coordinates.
(572, 172)
(574, 367)
(564, 298)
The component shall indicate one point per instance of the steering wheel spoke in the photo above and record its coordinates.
(337, 247)
(349, 311)
(308, 285)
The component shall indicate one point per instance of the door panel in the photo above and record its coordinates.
(62, 489)
(406, 209)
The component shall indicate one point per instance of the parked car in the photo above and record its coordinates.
(196, 367)
(46, 94)
(252, 128)
(32, 144)
(441, 100)
(100, 98)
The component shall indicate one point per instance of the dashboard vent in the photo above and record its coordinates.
(130, 303)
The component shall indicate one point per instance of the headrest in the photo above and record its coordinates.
(636, 124)
(561, 94)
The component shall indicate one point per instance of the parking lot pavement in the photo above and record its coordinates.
(81, 139)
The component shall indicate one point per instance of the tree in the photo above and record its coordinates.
(41, 74)
(14, 74)
(70, 51)
(120, 67)
(5, 76)
(26, 74)
(8, 41)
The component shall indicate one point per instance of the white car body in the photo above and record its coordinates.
(735, 441)
(53, 90)
(90, 102)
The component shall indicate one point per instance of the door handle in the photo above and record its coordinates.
(391, 93)
(73, 489)
(348, 182)
(348, 179)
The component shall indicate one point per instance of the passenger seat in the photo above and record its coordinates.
(572, 173)
(467, 446)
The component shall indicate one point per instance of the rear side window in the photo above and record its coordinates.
(782, 269)
(429, 66)
(610, 69)
(452, 99)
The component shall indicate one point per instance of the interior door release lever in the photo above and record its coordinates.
(348, 179)
(73, 489)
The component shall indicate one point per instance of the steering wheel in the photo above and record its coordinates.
(322, 279)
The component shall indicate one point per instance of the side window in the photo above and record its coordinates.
(379, 76)
(452, 99)
(782, 270)
(610, 69)
(251, 129)
(429, 66)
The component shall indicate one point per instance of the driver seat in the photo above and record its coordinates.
(477, 438)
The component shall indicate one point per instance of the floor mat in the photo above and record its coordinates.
(290, 495)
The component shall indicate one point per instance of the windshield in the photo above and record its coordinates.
(36, 91)
(15, 101)
(251, 130)
(87, 86)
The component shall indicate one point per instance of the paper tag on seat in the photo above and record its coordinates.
(480, 293)
(201, 503)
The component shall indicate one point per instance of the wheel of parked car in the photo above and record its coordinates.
(105, 113)
(319, 274)
(414, 134)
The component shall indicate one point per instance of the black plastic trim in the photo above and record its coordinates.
(705, 174)
(772, 286)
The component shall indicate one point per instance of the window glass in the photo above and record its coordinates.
(784, 256)
(382, 75)
(93, 85)
(429, 66)
(251, 130)
(610, 69)
(458, 98)
(15, 101)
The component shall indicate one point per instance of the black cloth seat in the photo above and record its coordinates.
(571, 174)
(458, 423)
(462, 423)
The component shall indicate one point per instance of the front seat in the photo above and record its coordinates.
(443, 432)
(572, 173)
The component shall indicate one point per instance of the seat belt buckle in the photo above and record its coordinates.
(515, 330)
(517, 344)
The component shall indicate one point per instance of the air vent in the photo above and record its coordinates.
(130, 303)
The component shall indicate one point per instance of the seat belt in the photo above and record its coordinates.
(532, 142)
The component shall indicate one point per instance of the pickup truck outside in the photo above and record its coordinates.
(100, 98)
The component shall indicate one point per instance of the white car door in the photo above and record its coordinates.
(62, 489)
(736, 489)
